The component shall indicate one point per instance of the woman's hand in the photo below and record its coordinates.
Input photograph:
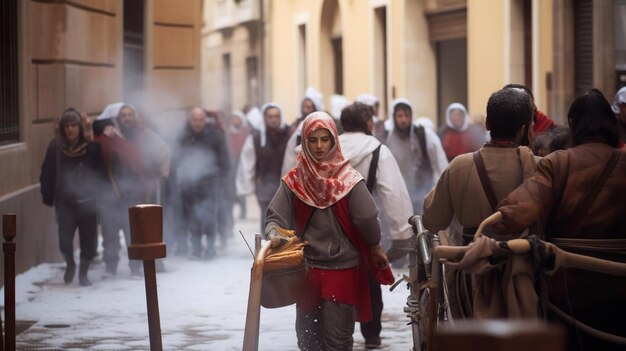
(378, 256)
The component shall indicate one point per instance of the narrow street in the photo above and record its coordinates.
(202, 306)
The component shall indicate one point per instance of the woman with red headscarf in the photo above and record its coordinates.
(327, 203)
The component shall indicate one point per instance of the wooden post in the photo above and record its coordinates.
(9, 232)
(146, 231)
(253, 312)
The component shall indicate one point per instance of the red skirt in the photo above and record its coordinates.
(333, 285)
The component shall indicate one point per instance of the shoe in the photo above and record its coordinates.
(70, 270)
(82, 273)
(373, 342)
(111, 268)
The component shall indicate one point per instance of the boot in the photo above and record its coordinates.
(111, 267)
(70, 269)
(82, 273)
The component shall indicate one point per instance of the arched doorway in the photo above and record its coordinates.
(331, 49)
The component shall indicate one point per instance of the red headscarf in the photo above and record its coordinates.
(321, 183)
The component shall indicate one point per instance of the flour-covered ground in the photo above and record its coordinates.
(202, 307)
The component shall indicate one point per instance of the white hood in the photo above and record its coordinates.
(316, 97)
(357, 146)
(255, 118)
(262, 128)
(466, 120)
(111, 111)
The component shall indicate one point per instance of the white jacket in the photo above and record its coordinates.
(246, 170)
(389, 187)
(291, 151)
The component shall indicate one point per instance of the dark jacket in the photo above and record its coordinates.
(71, 179)
(199, 158)
(268, 164)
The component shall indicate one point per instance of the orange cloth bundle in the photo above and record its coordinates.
(288, 255)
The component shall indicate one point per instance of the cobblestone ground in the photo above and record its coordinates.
(202, 307)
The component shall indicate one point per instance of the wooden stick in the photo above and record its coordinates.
(253, 314)
(491, 220)
(152, 300)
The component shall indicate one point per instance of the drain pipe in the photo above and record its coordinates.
(9, 232)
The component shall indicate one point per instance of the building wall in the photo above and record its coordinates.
(495, 50)
(411, 57)
(231, 30)
(70, 54)
(172, 44)
(485, 51)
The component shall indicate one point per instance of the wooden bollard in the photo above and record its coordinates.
(9, 232)
(146, 235)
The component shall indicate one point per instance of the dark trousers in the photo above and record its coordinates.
(81, 216)
(328, 328)
(113, 218)
(373, 327)
(241, 201)
(200, 211)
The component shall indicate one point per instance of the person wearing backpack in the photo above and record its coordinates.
(418, 151)
(383, 179)
(473, 183)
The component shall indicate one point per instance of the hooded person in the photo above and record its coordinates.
(417, 150)
(313, 101)
(71, 175)
(384, 180)
(155, 153)
(259, 170)
(459, 136)
(327, 202)
(125, 173)
(619, 108)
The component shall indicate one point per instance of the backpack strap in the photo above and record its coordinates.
(484, 180)
(421, 138)
(371, 174)
(585, 203)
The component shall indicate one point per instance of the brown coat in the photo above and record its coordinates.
(501, 291)
(459, 191)
(550, 196)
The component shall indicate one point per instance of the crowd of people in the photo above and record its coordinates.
(346, 182)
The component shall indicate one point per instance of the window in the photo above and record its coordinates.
(9, 109)
(583, 45)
